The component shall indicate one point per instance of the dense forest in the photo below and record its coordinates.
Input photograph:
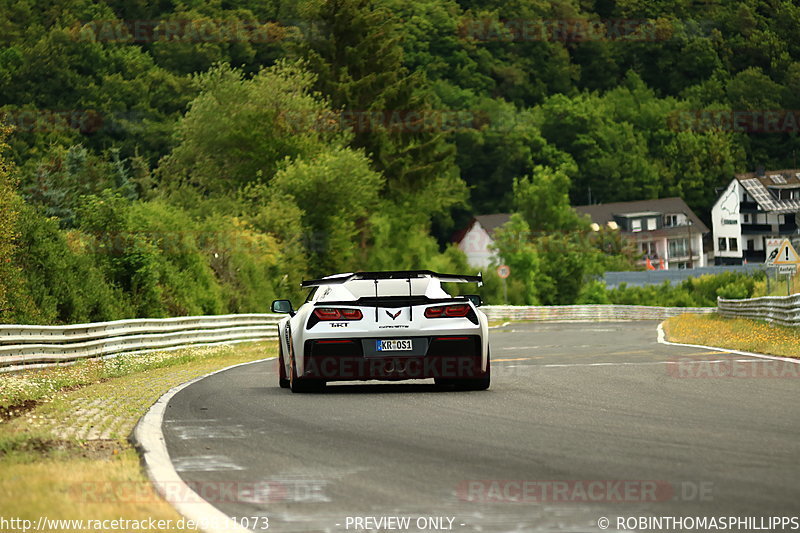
(170, 158)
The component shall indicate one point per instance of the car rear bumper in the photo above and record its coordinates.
(441, 356)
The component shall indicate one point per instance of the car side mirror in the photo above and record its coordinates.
(282, 306)
(475, 299)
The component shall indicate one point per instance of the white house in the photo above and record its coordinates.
(474, 240)
(667, 232)
(754, 207)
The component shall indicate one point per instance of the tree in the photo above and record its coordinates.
(358, 59)
(9, 212)
(512, 243)
(543, 201)
(238, 131)
(336, 191)
(504, 144)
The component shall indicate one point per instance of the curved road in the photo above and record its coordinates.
(582, 421)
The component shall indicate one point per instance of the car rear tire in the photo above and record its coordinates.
(303, 384)
(283, 381)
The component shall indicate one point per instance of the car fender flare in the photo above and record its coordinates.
(484, 321)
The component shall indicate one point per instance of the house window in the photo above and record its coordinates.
(733, 244)
(636, 224)
(789, 194)
(670, 220)
(651, 224)
(751, 244)
(678, 247)
(722, 244)
(648, 248)
(746, 219)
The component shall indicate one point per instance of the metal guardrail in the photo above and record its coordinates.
(22, 345)
(784, 310)
(588, 312)
(28, 345)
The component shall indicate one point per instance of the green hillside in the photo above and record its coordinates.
(172, 158)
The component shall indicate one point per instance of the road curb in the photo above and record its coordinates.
(663, 340)
(148, 439)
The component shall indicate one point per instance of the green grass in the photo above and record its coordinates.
(39, 384)
(777, 287)
(734, 333)
(44, 472)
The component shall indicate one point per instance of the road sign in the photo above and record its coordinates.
(772, 245)
(503, 271)
(787, 269)
(784, 254)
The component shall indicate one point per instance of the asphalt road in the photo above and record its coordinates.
(598, 420)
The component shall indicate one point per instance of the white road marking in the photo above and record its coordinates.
(208, 432)
(149, 438)
(204, 463)
(645, 364)
(540, 346)
(526, 347)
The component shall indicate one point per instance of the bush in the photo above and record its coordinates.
(693, 292)
(61, 282)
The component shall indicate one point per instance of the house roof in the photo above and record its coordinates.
(488, 222)
(492, 222)
(603, 213)
(758, 186)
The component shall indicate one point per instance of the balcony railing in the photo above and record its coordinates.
(751, 229)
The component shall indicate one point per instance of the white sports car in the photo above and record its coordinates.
(387, 326)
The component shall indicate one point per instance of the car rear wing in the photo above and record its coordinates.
(407, 275)
(394, 274)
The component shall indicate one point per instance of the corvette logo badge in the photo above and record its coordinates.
(397, 314)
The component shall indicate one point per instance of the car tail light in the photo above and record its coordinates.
(329, 313)
(434, 312)
(456, 310)
(447, 311)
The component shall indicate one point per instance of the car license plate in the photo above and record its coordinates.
(393, 345)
